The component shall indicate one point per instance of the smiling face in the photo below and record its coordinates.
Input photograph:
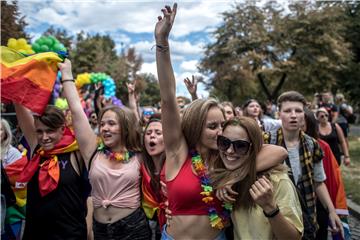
(153, 139)
(292, 115)
(212, 128)
(110, 129)
(232, 159)
(46, 136)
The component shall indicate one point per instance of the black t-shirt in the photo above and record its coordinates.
(61, 213)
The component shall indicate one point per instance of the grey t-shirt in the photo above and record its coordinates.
(319, 173)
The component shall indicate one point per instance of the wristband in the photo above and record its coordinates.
(273, 213)
(67, 80)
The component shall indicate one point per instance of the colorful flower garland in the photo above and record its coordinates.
(216, 221)
(115, 156)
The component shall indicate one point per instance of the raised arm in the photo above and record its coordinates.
(270, 156)
(191, 86)
(27, 125)
(132, 99)
(85, 136)
(175, 144)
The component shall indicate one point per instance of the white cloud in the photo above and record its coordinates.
(189, 65)
(149, 68)
(135, 16)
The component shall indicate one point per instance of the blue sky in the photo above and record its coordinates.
(132, 23)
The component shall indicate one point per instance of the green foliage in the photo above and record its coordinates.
(151, 94)
(263, 51)
(12, 24)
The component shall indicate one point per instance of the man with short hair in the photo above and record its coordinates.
(305, 162)
(330, 107)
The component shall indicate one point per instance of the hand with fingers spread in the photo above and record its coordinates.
(130, 87)
(262, 193)
(226, 194)
(191, 86)
(165, 23)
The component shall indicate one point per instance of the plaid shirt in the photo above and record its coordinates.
(309, 153)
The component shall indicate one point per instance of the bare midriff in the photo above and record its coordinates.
(111, 214)
(191, 227)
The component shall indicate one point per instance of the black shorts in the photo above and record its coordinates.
(134, 227)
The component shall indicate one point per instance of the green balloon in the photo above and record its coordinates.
(44, 48)
(36, 47)
(40, 41)
(56, 47)
(48, 42)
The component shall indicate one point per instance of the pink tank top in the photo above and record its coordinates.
(116, 187)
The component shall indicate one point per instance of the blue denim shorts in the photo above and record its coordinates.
(166, 236)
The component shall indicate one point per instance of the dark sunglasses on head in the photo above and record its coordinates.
(239, 146)
(324, 116)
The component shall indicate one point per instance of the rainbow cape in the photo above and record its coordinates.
(335, 186)
(13, 170)
(28, 81)
(150, 204)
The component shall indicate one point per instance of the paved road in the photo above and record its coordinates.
(354, 228)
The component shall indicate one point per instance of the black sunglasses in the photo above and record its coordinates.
(240, 146)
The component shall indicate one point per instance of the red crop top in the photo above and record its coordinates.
(184, 193)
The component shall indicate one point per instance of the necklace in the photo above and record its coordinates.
(115, 156)
(216, 221)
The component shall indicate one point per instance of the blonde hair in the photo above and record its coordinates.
(6, 142)
(194, 119)
(245, 175)
(129, 128)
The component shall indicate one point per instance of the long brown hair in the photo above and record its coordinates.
(194, 118)
(130, 130)
(244, 176)
(149, 162)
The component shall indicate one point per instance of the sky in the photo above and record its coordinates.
(131, 24)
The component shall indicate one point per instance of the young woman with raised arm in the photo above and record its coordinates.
(190, 146)
(114, 166)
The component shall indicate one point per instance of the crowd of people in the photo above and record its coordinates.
(194, 169)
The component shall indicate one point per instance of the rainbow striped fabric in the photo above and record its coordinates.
(28, 80)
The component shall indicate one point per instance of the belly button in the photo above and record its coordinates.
(109, 219)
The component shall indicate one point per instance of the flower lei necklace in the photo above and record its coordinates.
(115, 156)
(216, 221)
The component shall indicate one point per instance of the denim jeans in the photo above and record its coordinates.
(166, 236)
(134, 227)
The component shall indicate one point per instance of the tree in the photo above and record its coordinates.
(260, 51)
(12, 24)
(349, 78)
(151, 94)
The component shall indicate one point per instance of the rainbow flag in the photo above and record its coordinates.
(28, 81)
(17, 212)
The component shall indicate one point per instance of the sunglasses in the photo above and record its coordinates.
(324, 116)
(148, 113)
(240, 147)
